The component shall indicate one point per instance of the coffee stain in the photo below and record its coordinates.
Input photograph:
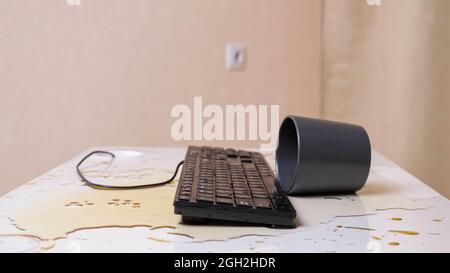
(38, 242)
(407, 209)
(48, 244)
(101, 227)
(161, 227)
(361, 228)
(159, 240)
(248, 235)
(405, 232)
(181, 234)
(74, 205)
(355, 215)
(13, 223)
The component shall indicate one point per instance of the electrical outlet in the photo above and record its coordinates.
(235, 56)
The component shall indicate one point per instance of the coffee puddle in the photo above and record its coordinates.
(63, 210)
(405, 232)
(66, 205)
(360, 228)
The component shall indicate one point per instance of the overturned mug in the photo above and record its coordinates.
(318, 156)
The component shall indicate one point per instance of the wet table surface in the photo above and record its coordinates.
(394, 212)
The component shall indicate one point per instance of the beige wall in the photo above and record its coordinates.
(109, 71)
(388, 68)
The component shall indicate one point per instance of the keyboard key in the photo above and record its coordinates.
(269, 181)
(225, 195)
(262, 203)
(258, 195)
(222, 200)
(205, 191)
(244, 196)
(281, 206)
(244, 202)
(244, 154)
(205, 194)
(276, 196)
(185, 197)
(208, 199)
(231, 153)
(258, 192)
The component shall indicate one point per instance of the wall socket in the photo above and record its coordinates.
(235, 56)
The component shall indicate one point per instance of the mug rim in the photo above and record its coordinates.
(295, 171)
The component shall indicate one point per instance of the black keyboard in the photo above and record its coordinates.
(233, 185)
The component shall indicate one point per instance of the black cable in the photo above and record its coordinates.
(106, 187)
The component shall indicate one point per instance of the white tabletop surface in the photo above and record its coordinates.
(394, 212)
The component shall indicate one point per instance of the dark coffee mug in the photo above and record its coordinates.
(319, 157)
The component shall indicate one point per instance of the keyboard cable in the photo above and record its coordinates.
(109, 187)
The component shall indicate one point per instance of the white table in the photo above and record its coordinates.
(394, 212)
